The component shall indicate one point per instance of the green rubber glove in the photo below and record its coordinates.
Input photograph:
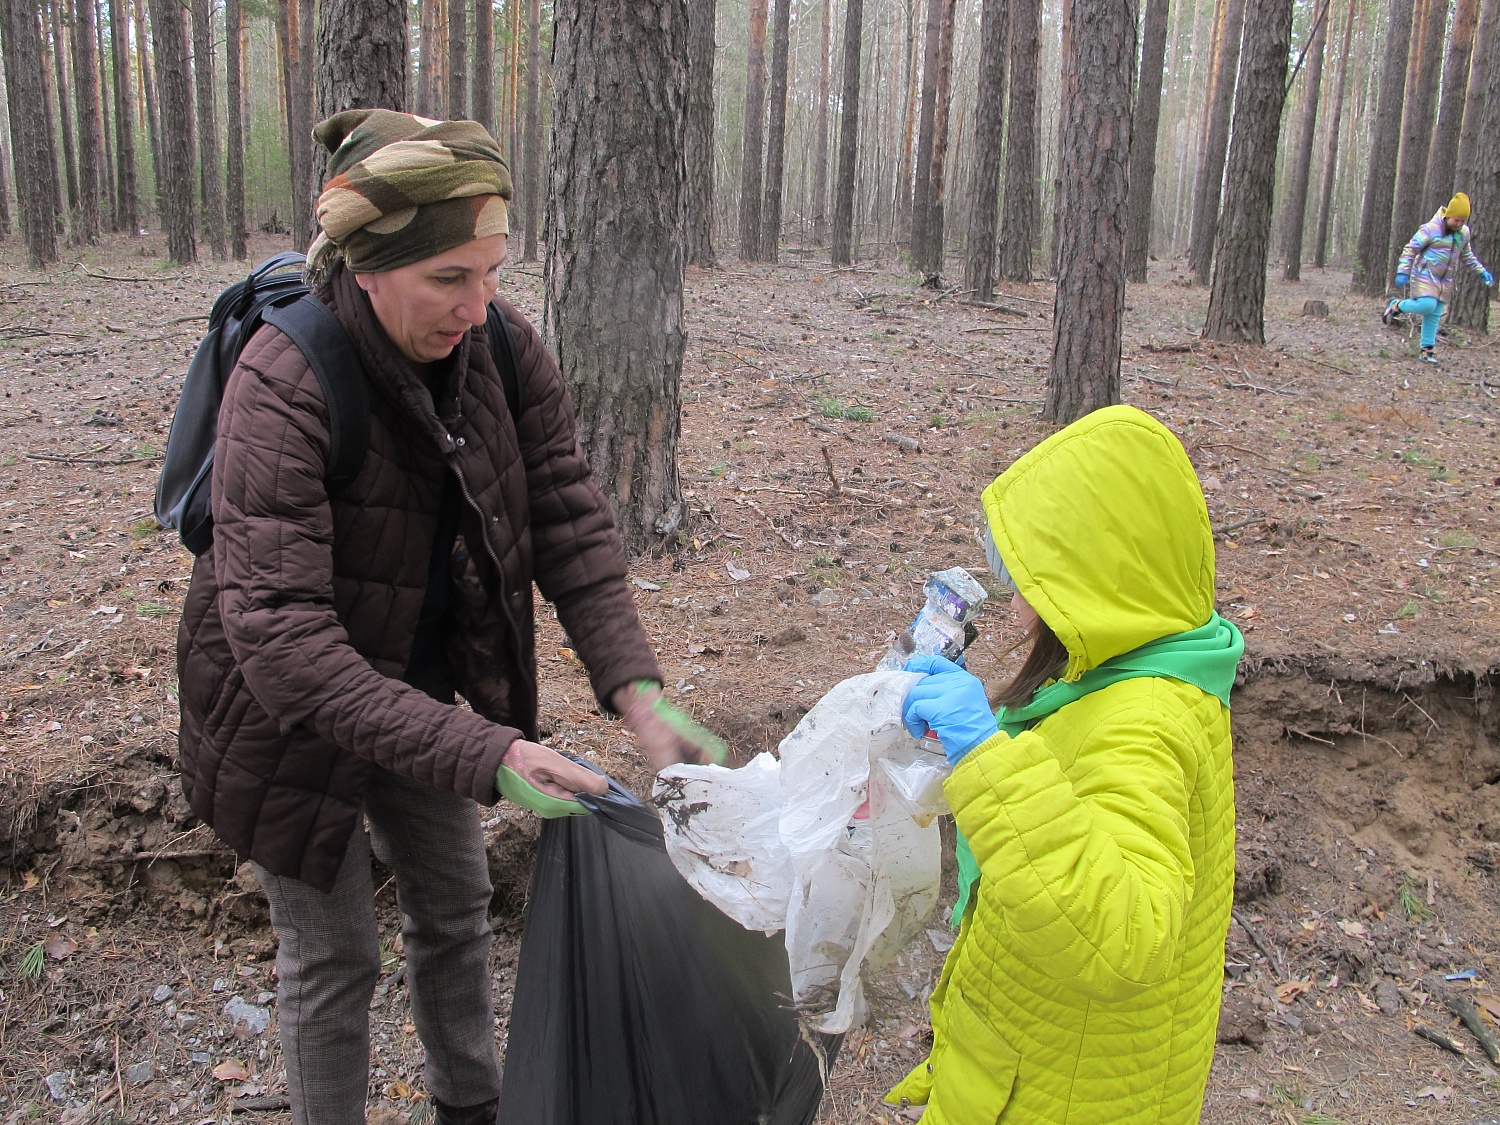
(663, 729)
(534, 777)
(517, 790)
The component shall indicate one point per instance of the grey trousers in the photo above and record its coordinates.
(328, 957)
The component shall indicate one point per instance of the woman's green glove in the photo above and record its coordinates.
(667, 735)
(542, 780)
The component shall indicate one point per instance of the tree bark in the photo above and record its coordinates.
(458, 49)
(1372, 270)
(1410, 209)
(208, 130)
(820, 142)
(902, 234)
(1440, 164)
(153, 117)
(1018, 220)
(1237, 302)
(482, 81)
(1475, 97)
(25, 67)
(753, 154)
(427, 50)
(1470, 307)
(1143, 129)
(614, 272)
(1296, 201)
(932, 264)
(234, 129)
(63, 88)
(91, 169)
(842, 252)
(921, 197)
(1208, 188)
(1330, 161)
(102, 74)
(171, 63)
(361, 63)
(1093, 170)
(700, 133)
(770, 221)
(535, 78)
(989, 125)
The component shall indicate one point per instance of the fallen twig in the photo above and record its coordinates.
(1225, 529)
(1258, 389)
(1154, 379)
(832, 477)
(993, 306)
(267, 1104)
(180, 853)
(1168, 349)
(1470, 547)
(1005, 328)
(115, 277)
(785, 538)
(1441, 1038)
(1330, 366)
(92, 460)
(1236, 448)
(1462, 1007)
(901, 441)
(1267, 950)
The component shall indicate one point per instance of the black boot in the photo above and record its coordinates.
(466, 1115)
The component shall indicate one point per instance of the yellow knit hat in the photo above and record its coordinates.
(1458, 207)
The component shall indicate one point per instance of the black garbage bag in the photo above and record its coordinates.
(637, 1002)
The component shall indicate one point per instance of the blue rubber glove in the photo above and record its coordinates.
(1402, 280)
(1489, 279)
(950, 702)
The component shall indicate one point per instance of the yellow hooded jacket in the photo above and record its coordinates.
(1084, 986)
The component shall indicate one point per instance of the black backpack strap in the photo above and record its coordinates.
(325, 345)
(507, 356)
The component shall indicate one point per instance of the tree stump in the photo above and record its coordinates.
(1315, 308)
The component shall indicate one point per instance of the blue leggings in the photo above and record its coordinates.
(1430, 309)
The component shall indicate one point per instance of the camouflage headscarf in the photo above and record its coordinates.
(402, 188)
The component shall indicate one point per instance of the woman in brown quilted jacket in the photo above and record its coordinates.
(326, 639)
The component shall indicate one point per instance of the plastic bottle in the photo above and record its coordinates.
(954, 598)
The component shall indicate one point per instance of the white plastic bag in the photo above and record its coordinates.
(852, 841)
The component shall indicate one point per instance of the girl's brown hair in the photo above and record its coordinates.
(1046, 661)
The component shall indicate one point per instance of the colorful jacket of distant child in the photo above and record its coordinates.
(1432, 257)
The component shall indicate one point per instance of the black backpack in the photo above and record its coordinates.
(276, 294)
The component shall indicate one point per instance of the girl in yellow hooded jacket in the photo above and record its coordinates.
(1096, 809)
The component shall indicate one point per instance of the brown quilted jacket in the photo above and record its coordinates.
(300, 618)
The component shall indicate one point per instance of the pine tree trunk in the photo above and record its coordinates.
(935, 238)
(1372, 271)
(458, 44)
(361, 63)
(1018, 221)
(102, 71)
(700, 134)
(1237, 302)
(989, 125)
(903, 170)
(842, 253)
(1208, 188)
(234, 128)
(1470, 307)
(615, 243)
(1410, 209)
(921, 196)
(1440, 165)
(90, 128)
(513, 127)
(770, 232)
(753, 155)
(1093, 169)
(535, 78)
(147, 70)
(4, 182)
(821, 141)
(25, 67)
(1475, 96)
(63, 88)
(1143, 129)
(427, 48)
(171, 63)
(208, 130)
(1331, 160)
(1296, 201)
(482, 81)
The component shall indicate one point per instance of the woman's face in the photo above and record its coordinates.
(1454, 224)
(1024, 613)
(427, 307)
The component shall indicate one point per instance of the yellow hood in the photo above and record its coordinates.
(1105, 531)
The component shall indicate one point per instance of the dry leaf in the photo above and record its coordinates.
(230, 1070)
(1439, 1093)
(738, 573)
(1354, 929)
(60, 949)
(29, 881)
(570, 656)
(1292, 989)
(1489, 1006)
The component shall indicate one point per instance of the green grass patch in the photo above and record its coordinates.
(1413, 902)
(34, 962)
(144, 528)
(1409, 609)
(1456, 539)
(154, 609)
(830, 406)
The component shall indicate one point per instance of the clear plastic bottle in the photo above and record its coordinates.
(954, 598)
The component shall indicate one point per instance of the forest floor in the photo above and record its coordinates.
(837, 429)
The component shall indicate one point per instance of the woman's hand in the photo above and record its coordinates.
(538, 778)
(665, 734)
(951, 702)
